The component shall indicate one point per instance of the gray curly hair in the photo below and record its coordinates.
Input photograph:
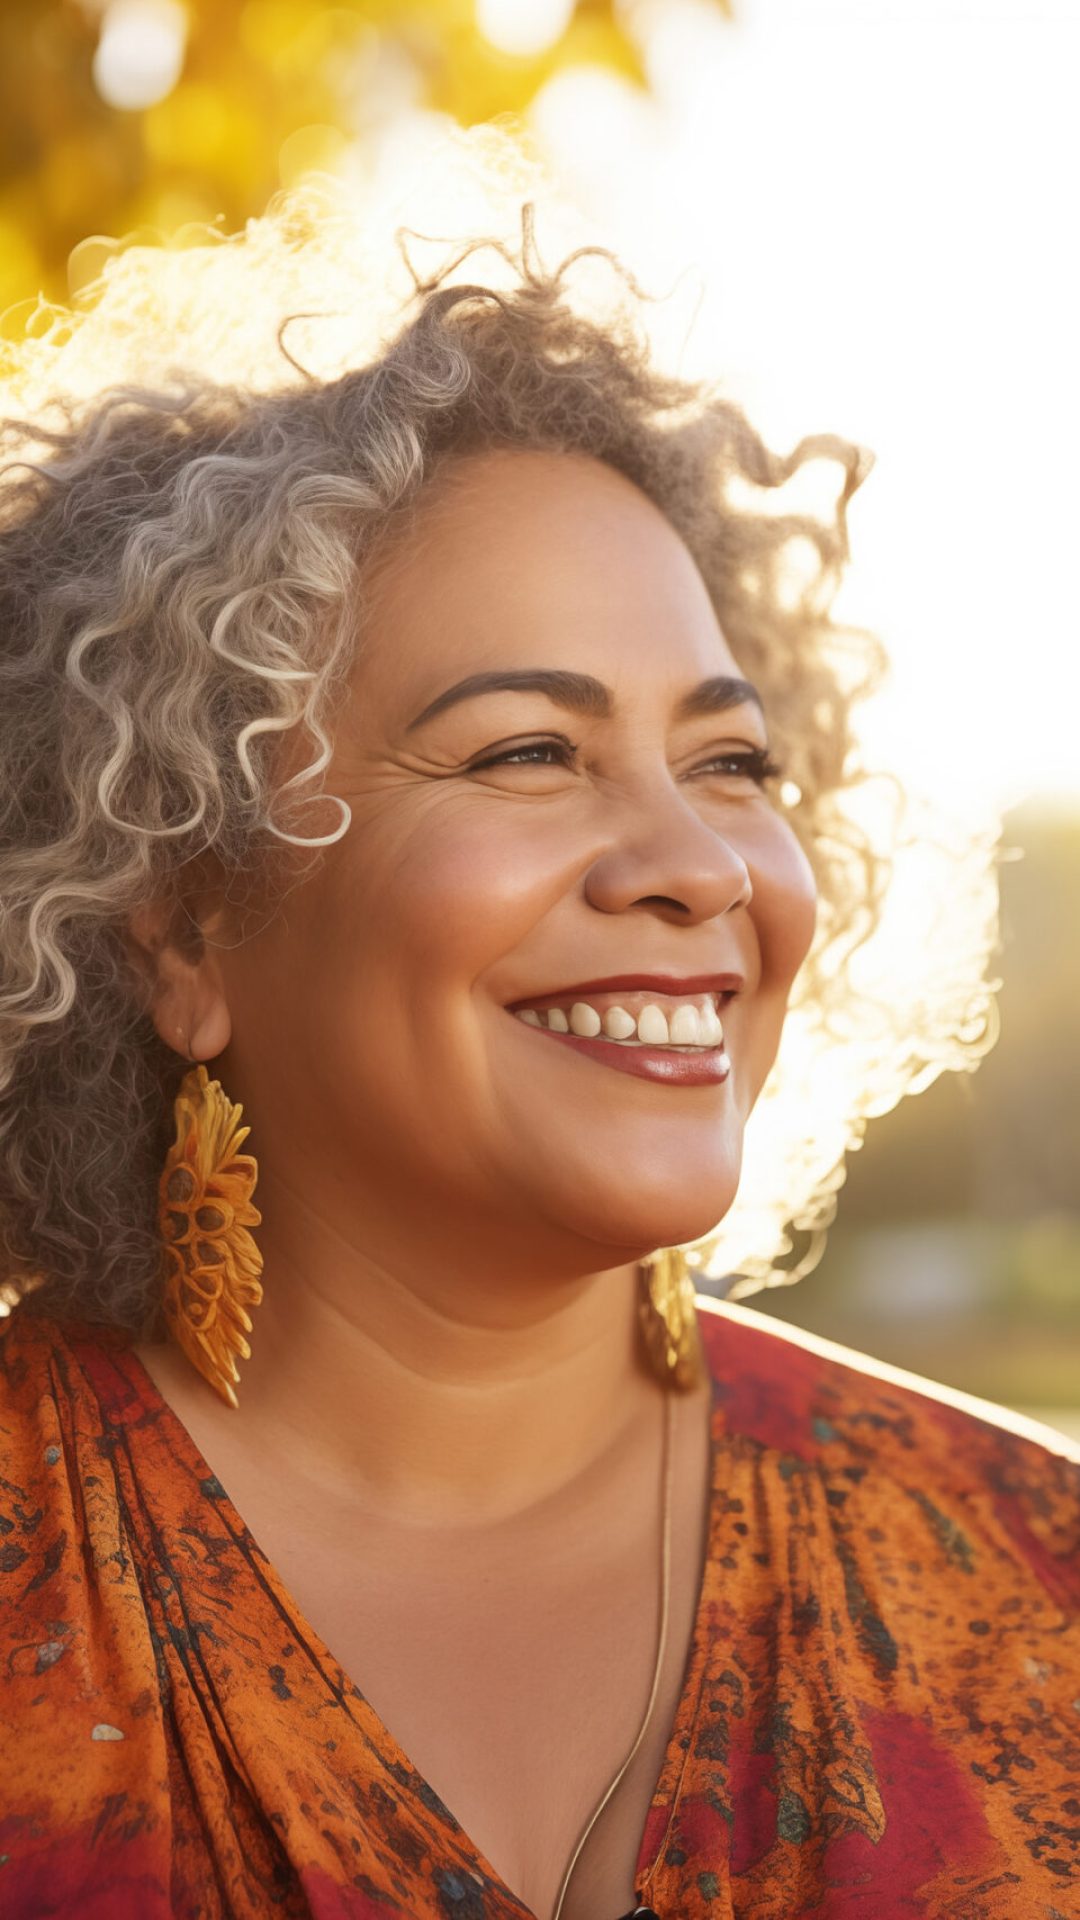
(181, 566)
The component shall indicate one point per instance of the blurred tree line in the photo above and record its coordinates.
(251, 94)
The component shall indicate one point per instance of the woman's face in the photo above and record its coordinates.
(594, 819)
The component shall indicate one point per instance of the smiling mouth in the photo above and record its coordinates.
(675, 1036)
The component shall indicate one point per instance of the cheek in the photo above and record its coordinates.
(465, 891)
(783, 913)
(784, 907)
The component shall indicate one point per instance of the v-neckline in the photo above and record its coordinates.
(676, 1751)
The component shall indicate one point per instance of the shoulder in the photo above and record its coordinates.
(42, 1428)
(48, 1405)
(30, 1340)
(864, 1424)
(796, 1390)
(38, 1353)
(31, 1373)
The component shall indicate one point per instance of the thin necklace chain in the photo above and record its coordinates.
(661, 1644)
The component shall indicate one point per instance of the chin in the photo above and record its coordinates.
(635, 1218)
(674, 1227)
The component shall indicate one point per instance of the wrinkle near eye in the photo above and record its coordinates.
(429, 766)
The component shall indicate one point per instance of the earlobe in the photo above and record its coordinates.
(191, 1012)
(172, 995)
(210, 1031)
(183, 993)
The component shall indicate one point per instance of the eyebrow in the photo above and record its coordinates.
(581, 693)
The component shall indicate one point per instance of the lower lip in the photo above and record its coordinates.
(709, 1068)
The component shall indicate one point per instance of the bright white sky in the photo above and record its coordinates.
(878, 199)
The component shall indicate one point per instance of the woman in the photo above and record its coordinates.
(512, 1581)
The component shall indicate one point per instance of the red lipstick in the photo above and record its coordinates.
(709, 1067)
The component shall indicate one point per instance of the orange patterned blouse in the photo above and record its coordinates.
(880, 1717)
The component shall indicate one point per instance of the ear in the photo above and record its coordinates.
(178, 978)
(145, 935)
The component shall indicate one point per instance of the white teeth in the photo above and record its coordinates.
(618, 1024)
(685, 1027)
(652, 1027)
(688, 1026)
(712, 1033)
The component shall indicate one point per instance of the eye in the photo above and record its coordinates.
(756, 764)
(556, 752)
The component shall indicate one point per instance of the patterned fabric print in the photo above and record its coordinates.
(880, 1717)
(889, 1723)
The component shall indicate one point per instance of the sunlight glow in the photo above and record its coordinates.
(140, 54)
(911, 291)
(525, 27)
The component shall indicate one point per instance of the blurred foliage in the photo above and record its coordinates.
(267, 90)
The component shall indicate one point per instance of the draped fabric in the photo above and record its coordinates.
(880, 1717)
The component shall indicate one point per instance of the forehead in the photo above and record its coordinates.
(535, 557)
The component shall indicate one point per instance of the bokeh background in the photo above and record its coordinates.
(866, 208)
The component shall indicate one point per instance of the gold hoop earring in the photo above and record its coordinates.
(668, 1318)
(204, 1212)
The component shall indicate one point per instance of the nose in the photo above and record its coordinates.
(667, 859)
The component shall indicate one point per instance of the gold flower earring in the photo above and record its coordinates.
(668, 1319)
(204, 1212)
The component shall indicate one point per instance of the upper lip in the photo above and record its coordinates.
(667, 983)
